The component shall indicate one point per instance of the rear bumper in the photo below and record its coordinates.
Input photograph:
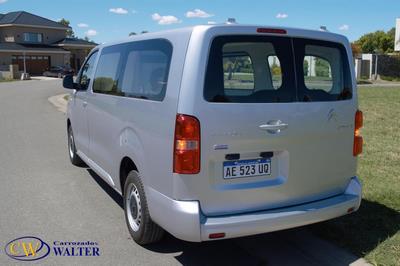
(184, 219)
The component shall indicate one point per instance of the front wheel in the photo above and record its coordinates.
(73, 156)
(142, 229)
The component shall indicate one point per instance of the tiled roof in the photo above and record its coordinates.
(25, 18)
(76, 41)
(11, 46)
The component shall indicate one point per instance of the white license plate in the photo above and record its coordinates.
(246, 168)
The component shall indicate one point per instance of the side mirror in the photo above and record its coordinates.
(68, 82)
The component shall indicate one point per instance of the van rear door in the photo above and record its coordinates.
(277, 124)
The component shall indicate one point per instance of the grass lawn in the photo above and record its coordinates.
(8, 80)
(373, 231)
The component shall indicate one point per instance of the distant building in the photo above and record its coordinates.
(41, 41)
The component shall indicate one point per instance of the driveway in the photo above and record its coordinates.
(43, 195)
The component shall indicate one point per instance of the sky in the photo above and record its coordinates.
(108, 20)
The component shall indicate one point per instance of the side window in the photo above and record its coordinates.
(146, 69)
(238, 73)
(87, 71)
(106, 74)
(275, 70)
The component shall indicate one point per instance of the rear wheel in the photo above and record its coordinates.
(142, 229)
(73, 156)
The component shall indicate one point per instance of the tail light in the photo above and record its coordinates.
(187, 145)
(358, 139)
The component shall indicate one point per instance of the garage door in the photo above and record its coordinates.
(35, 64)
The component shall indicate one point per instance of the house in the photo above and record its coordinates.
(41, 42)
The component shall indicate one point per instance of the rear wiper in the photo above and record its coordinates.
(345, 94)
(220, 98)
(136, 96)
(307, 98)
(142, 97)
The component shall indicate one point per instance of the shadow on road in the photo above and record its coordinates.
(223, 252)
(359, 232)
(363, 230)
(117, 198)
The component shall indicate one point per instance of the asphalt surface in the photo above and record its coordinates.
(43, 195)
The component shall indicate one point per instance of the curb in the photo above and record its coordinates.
(59, 102)
(360, 262)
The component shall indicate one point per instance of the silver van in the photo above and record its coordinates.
(220, 131)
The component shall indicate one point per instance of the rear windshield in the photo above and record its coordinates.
(265, 69)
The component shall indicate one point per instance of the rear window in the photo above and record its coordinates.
(238, 72)
(267, 69)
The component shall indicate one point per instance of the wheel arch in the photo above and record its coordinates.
(126, 165)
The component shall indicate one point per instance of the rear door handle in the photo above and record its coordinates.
(274, 126)
(84, 104)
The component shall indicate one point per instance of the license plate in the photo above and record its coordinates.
(246, 168)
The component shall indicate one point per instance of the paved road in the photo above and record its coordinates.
(43, 195)
(381, 84)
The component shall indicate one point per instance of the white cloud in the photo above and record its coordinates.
(3, 1)
(282, 15)
(198, 13)
(165, 20)
(344, 27)
(118, 10)
(83, 25)
(91, 33)
(211, 22)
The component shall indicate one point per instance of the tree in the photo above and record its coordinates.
(144, 31)
(86, 38)
(70, 32)
(322, 67)
(305, 68)
(378, 41)
(355, 49)
(132, 33)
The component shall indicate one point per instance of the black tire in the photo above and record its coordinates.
(142, 229)
(73, 156)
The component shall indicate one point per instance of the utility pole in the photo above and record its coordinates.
(24, 76)
(24, 64)
(376, 66)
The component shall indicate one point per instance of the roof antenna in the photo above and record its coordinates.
(231, 21)
(323, 28)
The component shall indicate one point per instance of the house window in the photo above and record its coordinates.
(33, 37)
